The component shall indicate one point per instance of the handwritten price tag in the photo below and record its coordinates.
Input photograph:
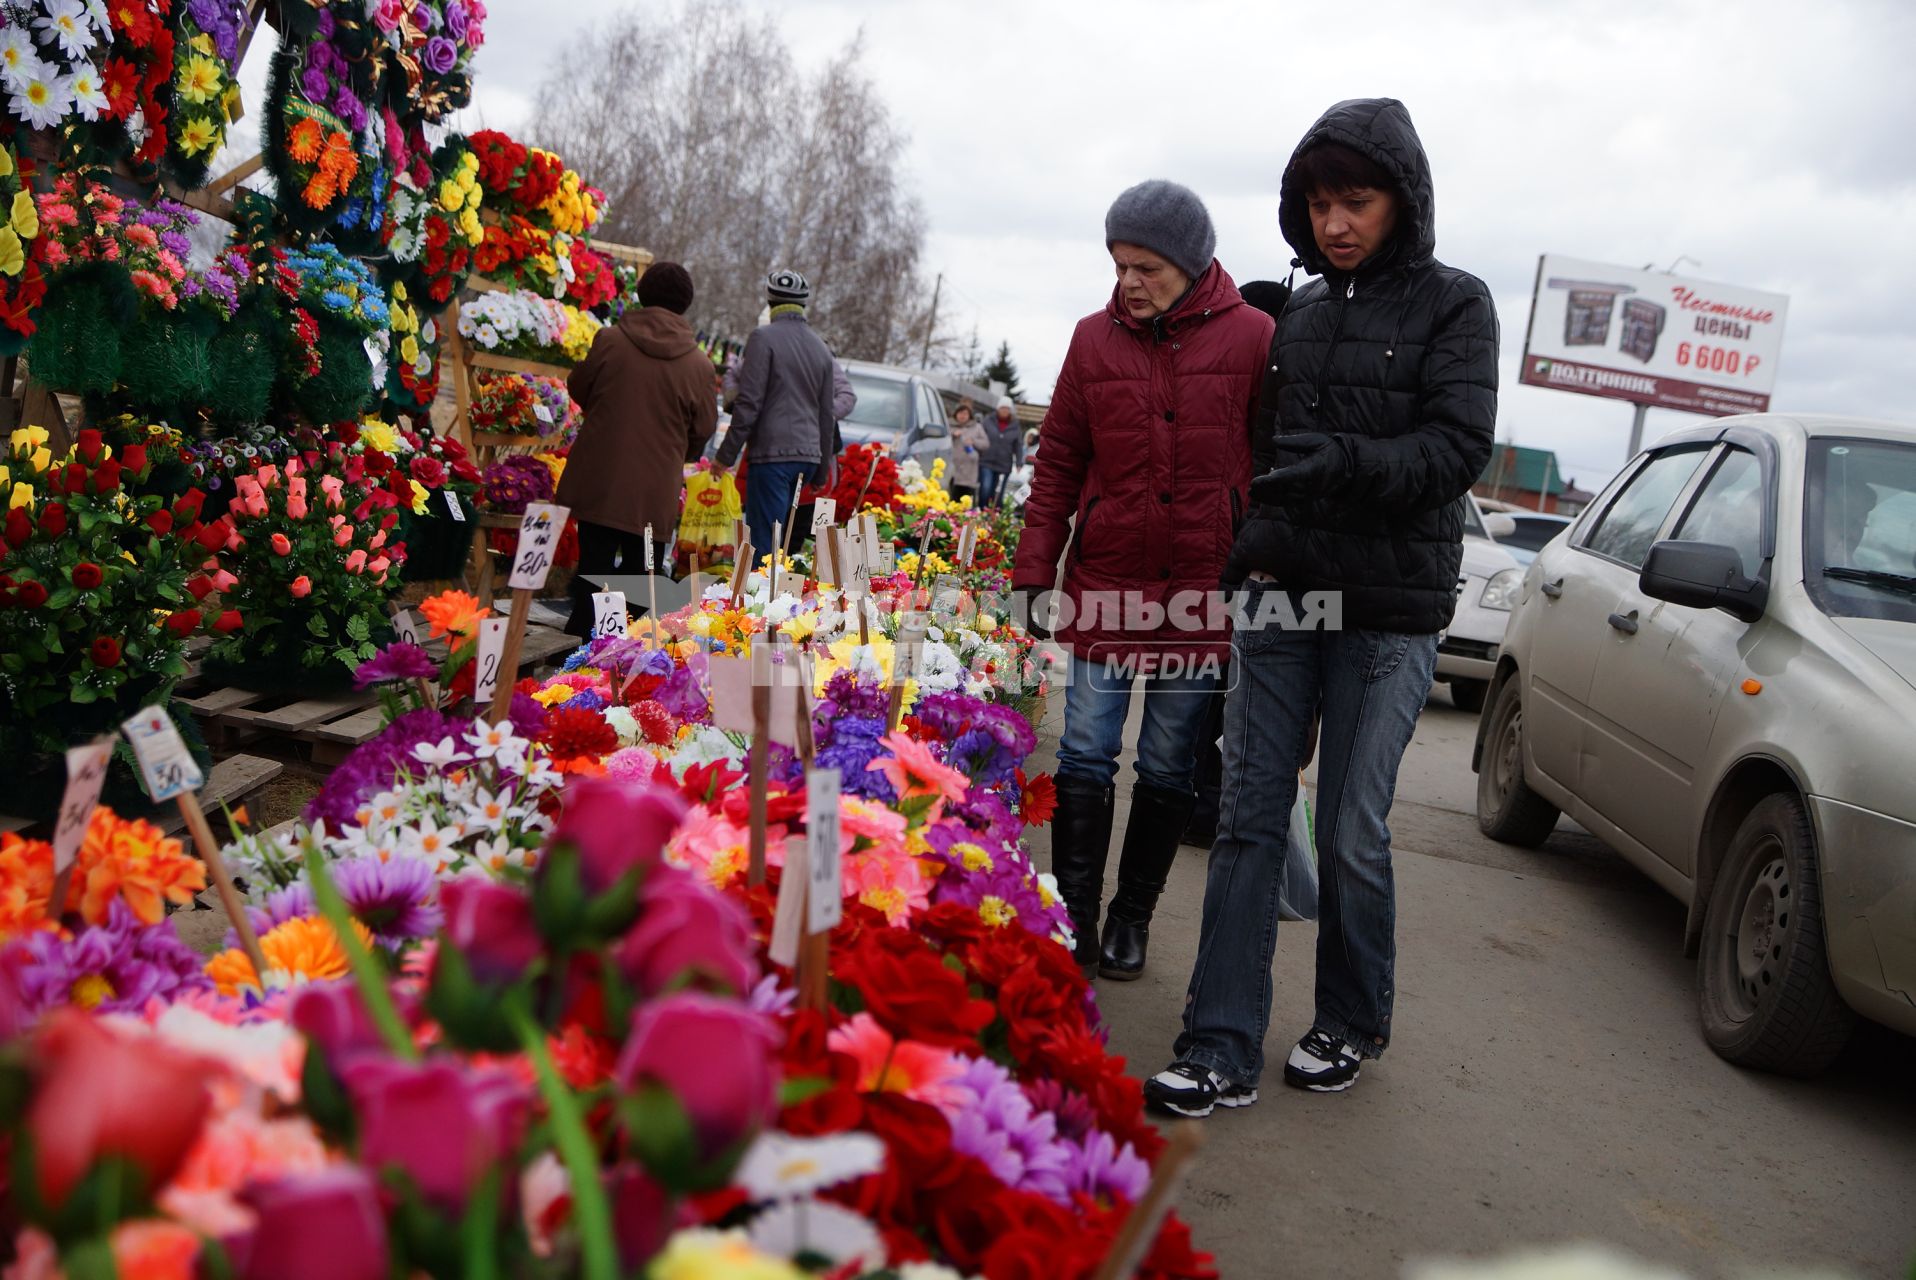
(887, 559)
(946, 595)
(492, 652)
(608, 613)
(789, 916)
(405, 628)
(165, 764)
(539, 531)
(452, 505)
(825, 904)
(824, 514)
(542, 413)
(86, 773)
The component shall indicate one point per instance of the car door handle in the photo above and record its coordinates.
(1553, 589)
(1625, 622)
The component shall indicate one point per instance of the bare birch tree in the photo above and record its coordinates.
(714, 150)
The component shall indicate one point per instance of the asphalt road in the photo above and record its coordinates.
(1546, 1082)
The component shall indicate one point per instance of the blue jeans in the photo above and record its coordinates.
(768, 499)
(1371, 687)
(991, 487)
(1094, 711)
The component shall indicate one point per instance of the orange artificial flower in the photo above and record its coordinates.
(26, 882)
(305, 947)
(154, 1249)
(452, 613)
(135, 862)
(304, 141)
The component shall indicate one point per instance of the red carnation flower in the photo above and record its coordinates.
(106, 651)
(87, 575)
(572, 732)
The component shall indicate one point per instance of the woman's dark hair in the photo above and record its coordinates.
(1332, 168)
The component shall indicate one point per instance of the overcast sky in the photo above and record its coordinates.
(1772, 144)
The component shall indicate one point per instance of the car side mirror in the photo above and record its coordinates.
(933, 431)
(1703, 575)
(1499, 525)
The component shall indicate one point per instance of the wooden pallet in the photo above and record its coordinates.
(324, 730)
(231, 782)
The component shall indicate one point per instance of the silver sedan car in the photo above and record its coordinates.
(1715, 673)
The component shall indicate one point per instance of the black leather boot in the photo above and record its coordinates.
(1080, 844)
(1151, 836)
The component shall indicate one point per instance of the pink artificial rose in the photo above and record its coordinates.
(379, 540)
(386, 16)
(302, 587)
(223, 581)
(616, 825)
(716, 1056)
(296, 508)
(333, 488)
(356, 561)
(269, 476)
(685, 929)
(379, 565)
(333, 1018)
(295, 483)
(445, 1126)
(281, 546)
(492, 926)
(342, 534)
(326, 1225)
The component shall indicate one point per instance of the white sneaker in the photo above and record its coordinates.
(1323, 1065)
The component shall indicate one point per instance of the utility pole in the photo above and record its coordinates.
(931, 325)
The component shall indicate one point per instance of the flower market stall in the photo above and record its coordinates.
(714, 946)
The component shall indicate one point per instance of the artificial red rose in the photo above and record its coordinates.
(686, 932)
(53, 520)
(378, 464)
(325, 1225)
(715, 1056)
(88, 448)
(32, 594)
(911, 993)
(105, 651)
(228, 622)
(106, 476)
(200, 586)
(160, 522)
(642, 1214)
(101, 1093)
(133, 457)
(213, 536)
(428, 471)
(616, 826)
(446, 1126)
(19, 527)
(87, 575)
(492, 926)
(73, 475)
(187, 509)
(183, 622)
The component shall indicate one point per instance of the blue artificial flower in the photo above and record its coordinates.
(333, 300)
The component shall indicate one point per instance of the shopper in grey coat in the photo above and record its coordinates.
(1004, 452)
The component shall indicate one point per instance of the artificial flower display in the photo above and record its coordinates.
(524, 405)
(518, 323)
(205, 88)
(22, 250)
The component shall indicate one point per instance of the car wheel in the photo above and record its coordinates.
(1507, 809)
(1765, 990)
(1468, 695)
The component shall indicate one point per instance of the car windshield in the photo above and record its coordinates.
(1859, 534)
(1473, 522)
(882, 403)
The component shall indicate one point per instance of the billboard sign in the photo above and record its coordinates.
(1656, 339)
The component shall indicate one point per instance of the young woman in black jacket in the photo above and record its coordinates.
(1379, 413)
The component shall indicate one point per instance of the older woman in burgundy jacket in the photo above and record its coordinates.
(1143, 466)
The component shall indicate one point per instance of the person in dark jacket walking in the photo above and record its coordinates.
(1385, 408)
(646, 390)
(1145, 459)
(784, 412)
(1004, 452)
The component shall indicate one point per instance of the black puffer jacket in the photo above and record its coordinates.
(1398, 362)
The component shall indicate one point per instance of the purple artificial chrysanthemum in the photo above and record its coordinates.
(1071, 1110)
(373, 766)
(293, 902)
(393, 897)
(398, 661)
(527, 716)
(848, 693)
(981, 757)
(1100, 1168)
(683, 694)
(348, 107)
(584, 700)
(986, 813)
(992, 1119)
(112, 968)
(315, 83)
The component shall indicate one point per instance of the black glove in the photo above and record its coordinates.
(1308, 463)
(825, 474)
(1036, 629)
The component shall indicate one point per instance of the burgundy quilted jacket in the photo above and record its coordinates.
(1148, 444)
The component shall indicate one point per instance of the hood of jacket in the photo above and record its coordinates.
(659, 333)
(1379, 129)
(1210, 294)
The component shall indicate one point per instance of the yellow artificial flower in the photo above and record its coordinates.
(6, 474)
(230, 102)
(12, 257)
(470, 226)
(199, 79)
(419, 496)
(409, 349)
(377, 435)
(717, 1255)
(6, 162)
(28, 438)
(399, 291)
(198, 134)
(24, 218)
(41, 458)
(800, 626)
(201, 43)
(22, 496)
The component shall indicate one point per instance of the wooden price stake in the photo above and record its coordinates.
(784, 544)
(693, 578)
(408, 633)
(1141, 1225)
(779, 534)
(903, 661)
(741, 571)
(539, 530)
(924, 551)
(824, 889)
(651, 588)
(169, 772)
(86, 774)
(761, 753)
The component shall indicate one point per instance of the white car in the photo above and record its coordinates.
(1714, 672)
(1487, 585)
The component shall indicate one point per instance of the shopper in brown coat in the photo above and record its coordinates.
(646, 390)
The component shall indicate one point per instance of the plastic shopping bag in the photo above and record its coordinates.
(1297, 883)
(712, 504)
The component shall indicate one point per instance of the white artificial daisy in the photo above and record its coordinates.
(442, 754)
(41, 99)
(89, 95)
(96, 13)
(819, 1227)
(780, 1166)
(18, 57)
(65, 22)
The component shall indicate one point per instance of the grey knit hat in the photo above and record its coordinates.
(1167, 219)
(785, 286)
